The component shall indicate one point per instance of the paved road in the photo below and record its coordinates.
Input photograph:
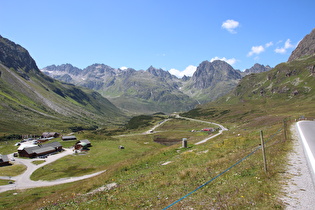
(23, 181)
(307, 134)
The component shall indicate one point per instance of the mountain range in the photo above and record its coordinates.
(154, 90)
(31, 100)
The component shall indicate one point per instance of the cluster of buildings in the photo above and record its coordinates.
(32, 148)
(39, 150)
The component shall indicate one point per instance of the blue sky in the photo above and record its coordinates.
(174, 35)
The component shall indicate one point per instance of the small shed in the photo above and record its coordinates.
(67, 138)
(4, 160)
(82, 144)
(85, 142)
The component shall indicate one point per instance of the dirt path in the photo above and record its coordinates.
(222, 128)
(23, 181)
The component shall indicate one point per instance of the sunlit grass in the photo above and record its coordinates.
(12, 170)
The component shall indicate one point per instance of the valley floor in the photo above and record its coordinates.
(299, 190)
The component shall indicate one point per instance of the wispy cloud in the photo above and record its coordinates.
(189, 71)
(230, 61)
(287, 45)
(269, 44)
(230, 26)
(256, 50)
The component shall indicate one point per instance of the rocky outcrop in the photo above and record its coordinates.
(210, 73)
(16, 57)
(306, 47)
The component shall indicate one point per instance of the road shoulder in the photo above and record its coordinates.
(298, 188)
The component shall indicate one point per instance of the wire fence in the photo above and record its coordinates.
(226, 170)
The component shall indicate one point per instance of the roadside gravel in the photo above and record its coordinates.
(299, 191)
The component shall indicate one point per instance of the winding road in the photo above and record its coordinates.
(222, 128)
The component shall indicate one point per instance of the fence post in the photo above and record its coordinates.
(263, 150)
(285, 129)
(184, 142)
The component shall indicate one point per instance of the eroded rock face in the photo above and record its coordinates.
(14, 56)
(209, 73)
(306, 47)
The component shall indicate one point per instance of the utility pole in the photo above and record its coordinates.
(263, 150)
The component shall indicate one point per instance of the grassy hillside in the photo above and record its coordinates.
(226, 172)
(31, 102)
(149, 175)
(287, 90)
(39, 103)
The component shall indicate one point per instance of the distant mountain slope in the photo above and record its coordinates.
(287, 81)
(147, 91)
(288, 90)
(153, 90)
(257, 68)
(30, 99)
(306, 47)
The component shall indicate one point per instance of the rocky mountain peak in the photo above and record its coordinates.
(159, 72)
(208, 73)
(14, 56)
(305, 47)
(257, 68)
(66, 68)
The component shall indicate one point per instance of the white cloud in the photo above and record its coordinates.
(256, 50)
(287, 45)
(268, 44)
(189, 71)
(230, 61)
(280, 50)
(123, 68)
(230, 25)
